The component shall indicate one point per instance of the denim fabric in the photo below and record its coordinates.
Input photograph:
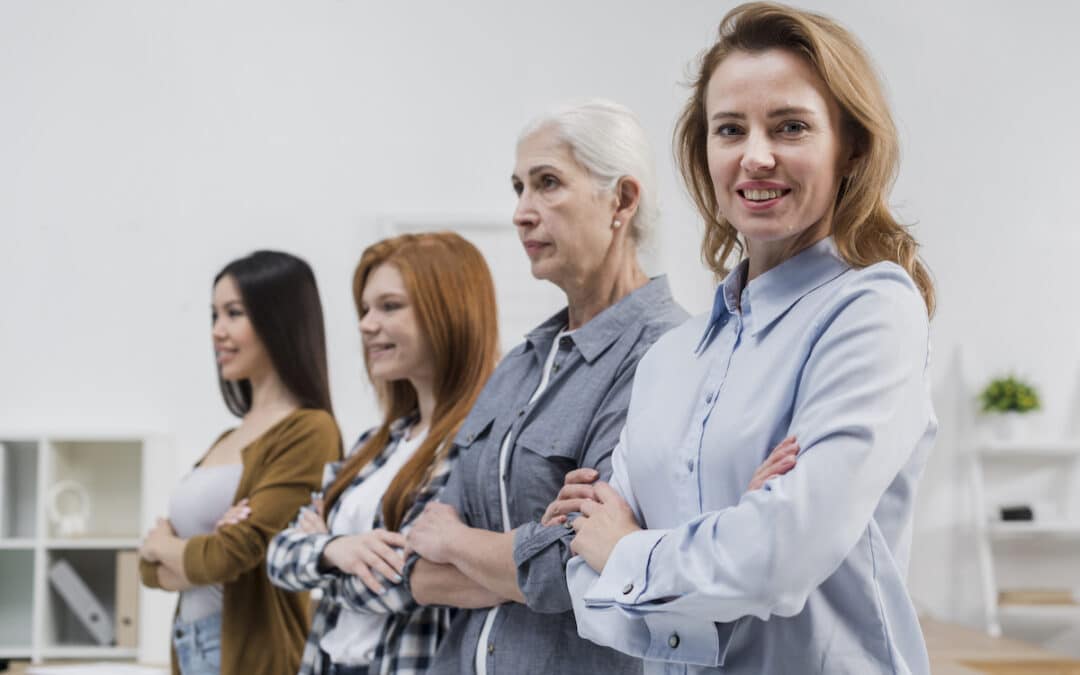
(574, 423)
(198, 645)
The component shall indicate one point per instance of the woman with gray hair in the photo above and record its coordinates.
(556, 402)
(586, 198)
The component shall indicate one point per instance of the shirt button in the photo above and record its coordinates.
(491, 648)
(708, 397)
(673, 641)
(469, 438)
(179, 633)
(627, 589)
(690, 465)
(521, 412)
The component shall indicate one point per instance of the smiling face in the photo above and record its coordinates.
(776, 151)
(239, 351)
(563, 219)
(394, 346)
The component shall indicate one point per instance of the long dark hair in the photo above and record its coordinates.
(281, 300)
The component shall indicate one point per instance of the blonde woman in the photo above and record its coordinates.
(820, 331)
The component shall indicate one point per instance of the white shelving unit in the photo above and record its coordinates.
(1038, 555)
(35, 621)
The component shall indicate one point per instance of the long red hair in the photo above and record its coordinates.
(450, 288)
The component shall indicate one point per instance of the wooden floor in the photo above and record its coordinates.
(956, 650)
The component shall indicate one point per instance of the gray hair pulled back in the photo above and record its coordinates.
(607, 139)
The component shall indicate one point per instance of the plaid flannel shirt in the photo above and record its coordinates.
(411, 633)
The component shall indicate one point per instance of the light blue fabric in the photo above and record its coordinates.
(805, 575)
(198, 645)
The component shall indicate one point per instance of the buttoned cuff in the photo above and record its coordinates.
(625, 576)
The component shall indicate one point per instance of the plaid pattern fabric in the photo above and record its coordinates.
(411, 633)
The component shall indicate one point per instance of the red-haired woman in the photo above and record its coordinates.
(428, 321)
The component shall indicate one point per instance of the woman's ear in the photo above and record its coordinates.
(627, 199)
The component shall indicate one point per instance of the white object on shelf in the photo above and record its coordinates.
(69, 522)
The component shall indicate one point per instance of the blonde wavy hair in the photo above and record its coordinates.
(865, 230)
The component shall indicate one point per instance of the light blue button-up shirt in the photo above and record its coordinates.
(805, 575)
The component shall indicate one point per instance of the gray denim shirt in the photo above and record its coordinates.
(574, 423)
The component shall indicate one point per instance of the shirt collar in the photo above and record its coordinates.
(598, 333)
(774, 292)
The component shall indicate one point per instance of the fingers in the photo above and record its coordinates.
(581, 476)
(782, 459)
(562, 508)
(576, 491)
(606, 494)
(395, 539)
(385, 561)
(361, 571)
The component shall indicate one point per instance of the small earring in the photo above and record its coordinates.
(615, 224)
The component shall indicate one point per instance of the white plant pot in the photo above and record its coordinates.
(1008, 426)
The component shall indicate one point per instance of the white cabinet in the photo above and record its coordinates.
(77, 498)
(1030, 568)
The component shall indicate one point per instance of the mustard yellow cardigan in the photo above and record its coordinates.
(263, 628)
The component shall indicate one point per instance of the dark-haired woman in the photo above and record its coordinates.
(427, 318)
(271, 355)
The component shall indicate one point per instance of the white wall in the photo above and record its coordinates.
(143, 145)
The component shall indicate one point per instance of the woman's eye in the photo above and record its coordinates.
(792, 128)
(549, 182)
(727, 130)
(234, 313)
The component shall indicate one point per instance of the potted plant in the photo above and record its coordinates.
(1005, 401)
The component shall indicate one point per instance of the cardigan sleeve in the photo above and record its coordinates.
(148, 572)
(284, 473)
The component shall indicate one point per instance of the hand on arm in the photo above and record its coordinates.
(163, 547)
(485, 557)
(363, 554)
(439, 584)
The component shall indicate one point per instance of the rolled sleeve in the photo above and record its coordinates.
(540, 554)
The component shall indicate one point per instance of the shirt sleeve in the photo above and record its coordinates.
(541, 553)
(292, 469)
(861, 408)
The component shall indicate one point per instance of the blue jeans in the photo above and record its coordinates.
(198, 645)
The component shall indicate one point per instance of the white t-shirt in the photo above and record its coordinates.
(352, 641)
(481, 652)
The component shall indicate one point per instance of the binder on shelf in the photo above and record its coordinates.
(81, 601)
(127, 599)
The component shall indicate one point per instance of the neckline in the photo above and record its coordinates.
(250, 443)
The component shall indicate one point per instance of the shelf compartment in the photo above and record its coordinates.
(1040, 613)
(1020, 450)
(16, 601)
(18, 489)
(88, 652)
(1032, 528)
(93, 544)
(63, 629)
(110, 472)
